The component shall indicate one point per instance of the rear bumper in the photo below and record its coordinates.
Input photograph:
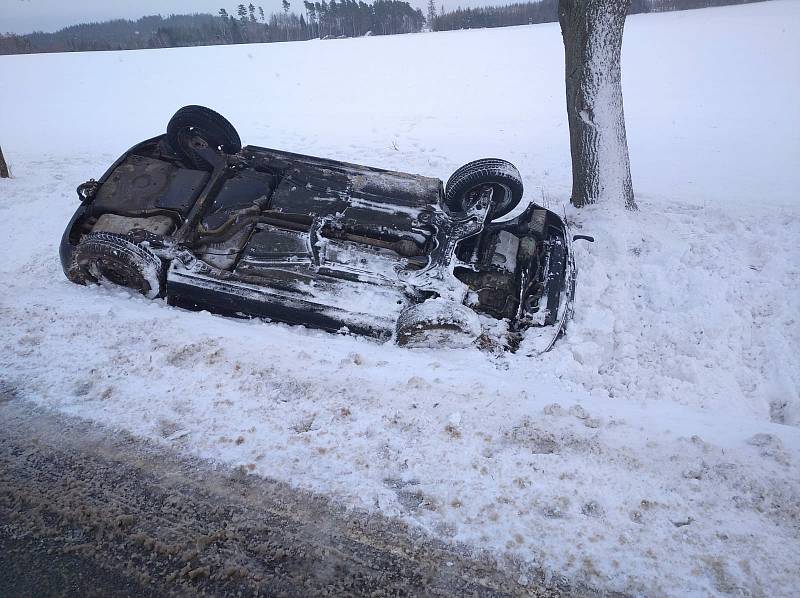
(71, 234)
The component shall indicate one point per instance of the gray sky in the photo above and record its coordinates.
(24, 16)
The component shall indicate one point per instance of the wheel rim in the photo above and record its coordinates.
(116, 273)
(501, 196)
(194, 138)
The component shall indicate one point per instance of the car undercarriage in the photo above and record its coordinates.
(193, 217)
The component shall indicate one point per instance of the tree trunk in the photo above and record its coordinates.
(4, 174)
(592, 32)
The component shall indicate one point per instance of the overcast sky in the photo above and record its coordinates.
(24, 16)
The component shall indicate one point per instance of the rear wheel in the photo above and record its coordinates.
(211, 127)
(464, 187)
(115, 258)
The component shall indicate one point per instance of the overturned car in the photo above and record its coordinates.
(194, 217)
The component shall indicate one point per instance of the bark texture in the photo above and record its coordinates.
(592, 32)
(4, 174)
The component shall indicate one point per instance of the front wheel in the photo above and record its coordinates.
(464, 187)
(437, 323)
(115, 258)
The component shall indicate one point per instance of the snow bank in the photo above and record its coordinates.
(654, 450)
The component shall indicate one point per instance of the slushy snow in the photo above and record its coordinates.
(655, 450)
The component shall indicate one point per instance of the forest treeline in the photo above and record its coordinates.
(545, 11)
(245, 24)
(346, 18)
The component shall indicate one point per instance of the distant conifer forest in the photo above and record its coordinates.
(248, 24)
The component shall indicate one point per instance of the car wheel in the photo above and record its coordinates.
(462, 189)
(213, 128)
(437, 323)
(115, 258)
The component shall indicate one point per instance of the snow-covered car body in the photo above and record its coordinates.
(265, 233)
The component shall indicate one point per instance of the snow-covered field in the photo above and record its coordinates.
(655, 450)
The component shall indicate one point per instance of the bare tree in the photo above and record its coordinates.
(4, 174)
(592, 31)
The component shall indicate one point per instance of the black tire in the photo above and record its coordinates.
(214, 128)
(116, 258)
(437, 323)
(503, 176)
